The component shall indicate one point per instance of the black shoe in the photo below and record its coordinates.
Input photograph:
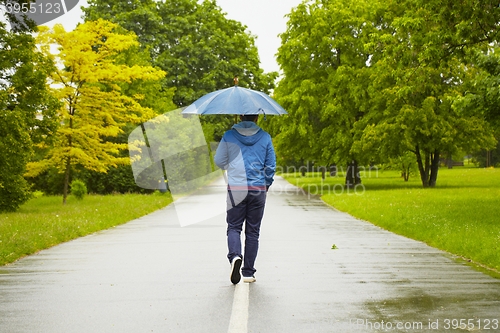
(235, 270)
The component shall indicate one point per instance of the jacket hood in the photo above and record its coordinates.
(247, 132)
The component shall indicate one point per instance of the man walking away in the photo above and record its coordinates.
(247, 153)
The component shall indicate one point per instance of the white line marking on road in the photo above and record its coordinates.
(239, 315)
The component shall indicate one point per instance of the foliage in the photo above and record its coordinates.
(374, 80)
(195, 44)
(482, 95)
(404, 163)
(78, 189)
(417, 80)
(50, 181)
(321, 55)
(487, 158)
(15, 146)
(89, 81)
(199, 48)
(26, 111)
(37, 194)
(138, 16)
(119, 178)
(42, 222)
(116, 180)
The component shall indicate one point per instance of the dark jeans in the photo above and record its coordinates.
(249, 210)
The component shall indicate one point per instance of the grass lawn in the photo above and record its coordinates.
(461, 215)
(44, 222)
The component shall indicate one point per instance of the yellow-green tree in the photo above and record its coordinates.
(88, 80)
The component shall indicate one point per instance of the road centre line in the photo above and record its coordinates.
(238, 322)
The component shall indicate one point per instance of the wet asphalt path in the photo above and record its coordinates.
(151, 275)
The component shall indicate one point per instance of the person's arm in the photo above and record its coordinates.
(221, 157)
(270, 164)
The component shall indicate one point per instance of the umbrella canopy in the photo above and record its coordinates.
(235, 100)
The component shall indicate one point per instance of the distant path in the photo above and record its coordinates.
(151, 275)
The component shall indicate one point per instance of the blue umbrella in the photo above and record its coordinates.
(235, 100)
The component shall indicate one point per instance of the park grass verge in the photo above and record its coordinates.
(44, 222)
(460, 215)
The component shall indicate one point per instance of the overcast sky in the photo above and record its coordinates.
(264, 19)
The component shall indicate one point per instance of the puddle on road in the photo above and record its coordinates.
(420, 312)
(407, 307)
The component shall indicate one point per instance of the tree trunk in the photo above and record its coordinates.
(68, 162)
(434, 169)
(352, 177)
(66, 179)
(405, 172)
(428, 167)
(421, 168)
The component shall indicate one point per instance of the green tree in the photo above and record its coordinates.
(155, 96)
(138, 16)
(368, 81)
(199, 48)
(324, 86)
(95, 109)
(481, 96)
(16, 148)
(120, 179)
(418, 79)
(26, 111)
(195, 44)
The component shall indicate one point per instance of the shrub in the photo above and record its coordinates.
(16, 150)
(37, 194)
(78, 189)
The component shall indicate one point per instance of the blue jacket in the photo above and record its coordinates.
(247, 153)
